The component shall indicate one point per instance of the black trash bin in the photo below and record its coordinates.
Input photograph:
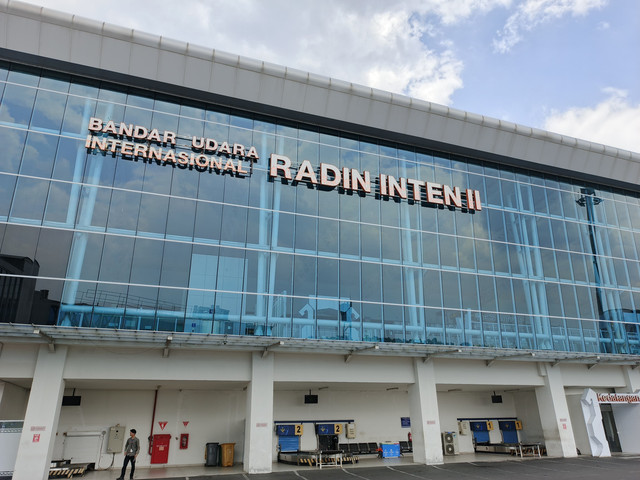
(212, 454)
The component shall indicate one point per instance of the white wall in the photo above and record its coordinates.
(213, 416)
(580, 376)
(470, 372)
(219, 415)
(376, 413)
(527, 411)
(180, 365)
(18, 361)
(13, 401)
(578, 423)
(454, 405)
(627, 419)
(333, 368)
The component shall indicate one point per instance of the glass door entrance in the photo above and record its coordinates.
(610, 429)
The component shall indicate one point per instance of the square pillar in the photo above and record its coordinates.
(41, 419)
(554, 413)
(425, 417)
(258, 430)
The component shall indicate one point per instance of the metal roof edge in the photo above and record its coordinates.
(96, 337)
(48, 15)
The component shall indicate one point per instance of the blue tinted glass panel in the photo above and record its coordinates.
(115, 265)
(62, 203)
(12, 145)
(39, 152)
(123, 211)
(29, 200)
(548, 263)
(48, 111)
(7, 186)
(17, 105)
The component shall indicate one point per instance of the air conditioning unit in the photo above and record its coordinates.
(450, 443)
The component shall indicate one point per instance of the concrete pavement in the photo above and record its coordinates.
(581, 468)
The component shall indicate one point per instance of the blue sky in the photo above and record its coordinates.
(569, 66)
(565, 63)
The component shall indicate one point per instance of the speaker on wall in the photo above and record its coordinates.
(311, 399)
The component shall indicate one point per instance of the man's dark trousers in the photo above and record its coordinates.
(128, 459)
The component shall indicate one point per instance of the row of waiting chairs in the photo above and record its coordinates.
(406, 447)
(370, 448)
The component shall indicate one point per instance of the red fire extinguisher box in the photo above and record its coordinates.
(160, 450)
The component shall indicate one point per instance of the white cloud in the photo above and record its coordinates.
(615, 121)
(387, 45)
(532, 13)
(452, 11)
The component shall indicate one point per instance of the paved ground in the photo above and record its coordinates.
(580, 468)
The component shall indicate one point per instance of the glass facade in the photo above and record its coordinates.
(91, 238)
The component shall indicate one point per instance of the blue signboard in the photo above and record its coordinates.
(405, 422)
(285, 430)
(509, 433)
(326, 428)
(390, 450)
(479, 426)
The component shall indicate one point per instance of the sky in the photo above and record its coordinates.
(568, 66)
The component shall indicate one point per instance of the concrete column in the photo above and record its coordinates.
(554, 413)
(425, 418)
(41, 419)
(259, 424)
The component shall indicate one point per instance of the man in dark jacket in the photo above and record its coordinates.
(131, 450)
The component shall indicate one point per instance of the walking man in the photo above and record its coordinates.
(131, 449)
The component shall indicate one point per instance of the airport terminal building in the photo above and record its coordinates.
(210, 248)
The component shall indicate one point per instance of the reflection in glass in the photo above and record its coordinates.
(17, 105)
(29, 200)
(549, 263)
